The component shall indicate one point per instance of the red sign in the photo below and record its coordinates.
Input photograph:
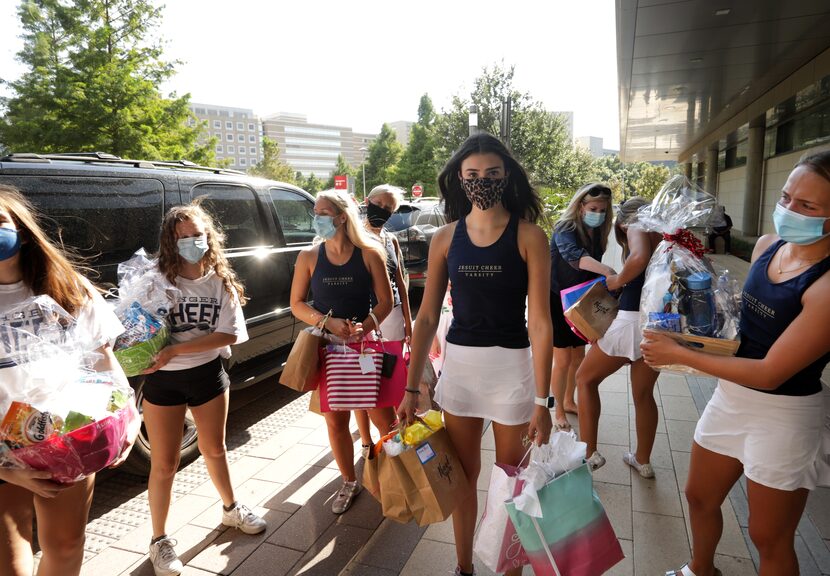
(417, 190)
(341, 183)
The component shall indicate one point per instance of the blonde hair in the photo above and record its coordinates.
(214, 259)
(397, 194)
(47, 269)
(571, 218)
(355, 230)
(627, 215)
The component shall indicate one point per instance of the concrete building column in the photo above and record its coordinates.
(754, 175)
(710, 183)
(687, 170)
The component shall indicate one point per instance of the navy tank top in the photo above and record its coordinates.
(489, 289)
(767, 310)
(345, 290)
(391, 268)
(630, 297)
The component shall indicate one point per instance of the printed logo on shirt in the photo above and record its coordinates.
(758, 307)
(479, 270)
(338, 280)
(15, 327)
(195, 312)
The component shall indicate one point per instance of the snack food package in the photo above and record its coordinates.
(683, 294)
(145, 297)
(56, 413)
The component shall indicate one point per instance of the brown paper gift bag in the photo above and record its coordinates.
(593, 313)
(395, 488)
(433, 478)
(302, 368)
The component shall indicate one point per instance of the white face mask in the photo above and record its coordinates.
(193, 249)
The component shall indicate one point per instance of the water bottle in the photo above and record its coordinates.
(699, 304)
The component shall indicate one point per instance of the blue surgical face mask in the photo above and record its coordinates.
(192, 249)
(798, 228)
(324, 226)
(593, 219)
(9, 243)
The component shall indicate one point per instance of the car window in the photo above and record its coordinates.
(402, 219)
(104, 219)
(235, 210)
(295, 213)
(431, 216)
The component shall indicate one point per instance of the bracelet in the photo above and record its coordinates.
(411, 391)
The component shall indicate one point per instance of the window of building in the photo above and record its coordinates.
(251, 127)
(243, 161)
(240, 126)
(251, 138)
(229, 137)
(230, 149)
(220, 149)
(242, 149)
(240, 137)
(217, 124)
(311, 131)
(228, 125)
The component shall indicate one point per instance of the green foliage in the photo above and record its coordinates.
(312, 184)
(384, 152)
(92, 79)
(554, 202)
(341, 168)
(271, 166)
(630, 179)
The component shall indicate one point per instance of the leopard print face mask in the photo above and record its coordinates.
(484, 193)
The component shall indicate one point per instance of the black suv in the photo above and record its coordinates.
(414, 224)
(106, 208)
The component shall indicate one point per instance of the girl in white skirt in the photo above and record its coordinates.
(621, 345)
(496, 258)
(765, 418)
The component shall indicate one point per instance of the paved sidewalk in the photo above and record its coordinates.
(283, 467)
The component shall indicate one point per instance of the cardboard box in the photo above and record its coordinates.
(717, 346)
(593, 313)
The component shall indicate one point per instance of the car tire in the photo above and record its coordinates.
(138, 462)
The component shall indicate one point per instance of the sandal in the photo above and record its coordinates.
(686, 571)
(562, 426)
(644, 470)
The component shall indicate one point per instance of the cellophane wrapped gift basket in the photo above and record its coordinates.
(56, 413)
(683, 295)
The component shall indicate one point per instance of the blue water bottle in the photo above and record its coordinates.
(699, 305)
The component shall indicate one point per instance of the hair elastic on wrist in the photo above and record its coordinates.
(412, 391)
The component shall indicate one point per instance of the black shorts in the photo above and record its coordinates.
(192, 386)
(563, 336)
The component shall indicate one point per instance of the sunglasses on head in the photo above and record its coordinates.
(598, 191)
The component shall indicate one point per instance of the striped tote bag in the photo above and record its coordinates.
(352, 379)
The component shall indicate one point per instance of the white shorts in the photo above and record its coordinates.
(487, 382)
(777, 438)
(623, 336)
(393, 325)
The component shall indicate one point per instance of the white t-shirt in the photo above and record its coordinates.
(202, 308)
(96, 321)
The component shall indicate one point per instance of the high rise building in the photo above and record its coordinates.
(594, 145)
(237, 131)
(313, 148)
(402, 128)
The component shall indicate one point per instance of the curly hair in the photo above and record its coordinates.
(214, 259)
(48, 269)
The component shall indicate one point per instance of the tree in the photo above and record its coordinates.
(538, 138)
(417, 164)
(341, 168)
(271, 166)
(630, 179)
(94, 71)
(384, 152)
(312, 184)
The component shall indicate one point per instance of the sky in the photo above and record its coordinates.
(366, 62)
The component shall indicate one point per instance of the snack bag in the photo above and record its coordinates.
(683, 294)
(56, 413)
(145, 298)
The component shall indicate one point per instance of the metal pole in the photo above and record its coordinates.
(364, 180)
(473, 119)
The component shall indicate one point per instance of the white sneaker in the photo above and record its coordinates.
(240, 516)
(596, 461)
(164, 559)
(344, 497)
(644, 470)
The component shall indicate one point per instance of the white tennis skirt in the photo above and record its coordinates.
(623, 336)
(393, 326)
(778, 439)
(487, 382)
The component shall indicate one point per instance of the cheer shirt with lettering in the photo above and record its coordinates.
(96, 322)
(204, 307)
(345, 289)
(489, 290)
(767, 310)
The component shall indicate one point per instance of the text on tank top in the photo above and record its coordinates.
(489, 290)
(767, 310)
(345, 289)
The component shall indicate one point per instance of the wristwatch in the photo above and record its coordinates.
(546, 401)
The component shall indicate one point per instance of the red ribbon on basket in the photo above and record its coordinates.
(686, 239)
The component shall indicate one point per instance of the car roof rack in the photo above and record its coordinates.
(107, 158)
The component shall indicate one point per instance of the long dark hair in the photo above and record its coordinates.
(520, 198)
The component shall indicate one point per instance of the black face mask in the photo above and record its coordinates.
(376, 215)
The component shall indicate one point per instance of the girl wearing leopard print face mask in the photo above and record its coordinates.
(497, 259)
